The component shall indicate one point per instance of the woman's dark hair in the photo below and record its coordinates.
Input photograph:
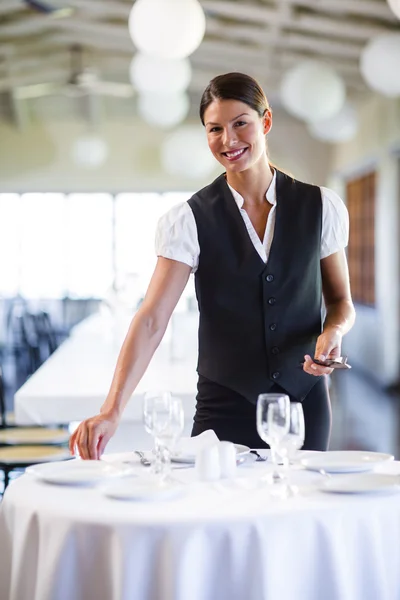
(234, 86)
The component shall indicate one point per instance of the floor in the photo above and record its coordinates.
(365, 417)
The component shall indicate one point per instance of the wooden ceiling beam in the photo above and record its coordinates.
(362, 8)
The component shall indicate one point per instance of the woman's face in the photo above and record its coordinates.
(236, 133)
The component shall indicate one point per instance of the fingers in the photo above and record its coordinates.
(72, 442)
(91, 437)
(81, 442)
(92, 441)
(313, 369)
(103, 441)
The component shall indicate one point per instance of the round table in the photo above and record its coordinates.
(216, 542)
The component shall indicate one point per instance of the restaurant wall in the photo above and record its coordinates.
(38, 158)
(374, 343)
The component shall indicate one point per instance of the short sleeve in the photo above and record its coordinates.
(176, 236)
(335, 223)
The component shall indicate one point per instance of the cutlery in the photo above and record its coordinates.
(143, 460)
(259, 457)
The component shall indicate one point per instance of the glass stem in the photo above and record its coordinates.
(158, 459)
(275, 472)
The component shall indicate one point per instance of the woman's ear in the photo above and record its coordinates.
(267, 121)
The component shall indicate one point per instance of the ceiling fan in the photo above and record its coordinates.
(83, 81)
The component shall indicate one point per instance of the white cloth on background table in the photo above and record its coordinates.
(59, 543)
(176, 235)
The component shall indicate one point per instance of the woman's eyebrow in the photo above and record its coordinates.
(241, 115)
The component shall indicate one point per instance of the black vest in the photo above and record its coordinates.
(257, 320)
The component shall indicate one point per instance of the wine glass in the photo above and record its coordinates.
(171, 433)
(273, 418)
(156, 419)
(294, 439)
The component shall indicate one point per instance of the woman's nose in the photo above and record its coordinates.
(229, 138)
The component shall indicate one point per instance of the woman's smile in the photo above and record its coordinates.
(233, 155)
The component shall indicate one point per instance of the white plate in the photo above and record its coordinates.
(345, 461)
(142, 491)
(77, 472)
(190, 458)
(366, 483)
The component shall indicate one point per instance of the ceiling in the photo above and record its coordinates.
(259, 37)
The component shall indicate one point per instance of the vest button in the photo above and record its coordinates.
(275, 350)
(271, 301)
(272, 326)
(269, 278)
(276, 375)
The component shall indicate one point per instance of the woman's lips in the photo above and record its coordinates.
(234, 154)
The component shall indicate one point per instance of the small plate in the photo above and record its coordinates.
(345, 461)
(142, 491)
(241, 450)
(366, 483)
(77, 472)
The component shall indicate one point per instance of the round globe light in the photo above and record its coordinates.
(380, 64)
(151, 74)
(395, 6)
(312, 91)
(163, 110)
(185, 153)
(89, 151)
(342, 127)
(167, 28)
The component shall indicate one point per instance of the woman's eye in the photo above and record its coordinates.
(214, 129)
(240, 123)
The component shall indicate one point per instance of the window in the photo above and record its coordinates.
(360, 195)
(79, 245)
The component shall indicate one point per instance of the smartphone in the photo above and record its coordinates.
(333, 363)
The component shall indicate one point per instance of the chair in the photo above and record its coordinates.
(46, 336)
(21, 447)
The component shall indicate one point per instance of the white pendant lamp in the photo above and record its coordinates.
(185, 153)
(163, 110)
(312, 91)
(167, 28)
(342, 127)
(395, 6)
(380, 64)
(89, 151)
(151, 74)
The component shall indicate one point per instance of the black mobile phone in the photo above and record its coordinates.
(333, 363)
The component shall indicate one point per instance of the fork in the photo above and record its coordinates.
(259, 457)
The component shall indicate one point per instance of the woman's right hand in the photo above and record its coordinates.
(93, 435)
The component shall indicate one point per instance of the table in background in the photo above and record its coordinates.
(59, 543)
(73, 383)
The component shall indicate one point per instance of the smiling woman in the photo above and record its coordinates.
(236, 120)
(264, 248)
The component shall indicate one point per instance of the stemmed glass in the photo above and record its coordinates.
(273, 419)
(164, 419)
(294, 439)
(156, 416)
(171, 433)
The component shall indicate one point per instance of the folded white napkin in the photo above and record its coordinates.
(190, 446)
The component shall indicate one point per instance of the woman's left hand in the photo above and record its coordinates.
(328, 345)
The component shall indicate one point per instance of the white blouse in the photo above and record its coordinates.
(176, 234)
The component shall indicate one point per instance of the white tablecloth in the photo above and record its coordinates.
(73, 383)
(63, 543)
